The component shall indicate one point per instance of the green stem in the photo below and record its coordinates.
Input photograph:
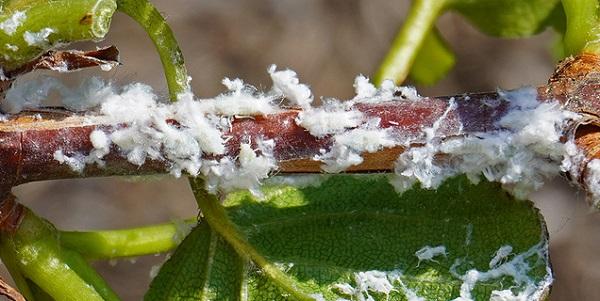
(146, 15)
(582, 26)
(58, 271)
(44, 24)
(11, 264)
(127, 242)
(398, 61)
(217, 218)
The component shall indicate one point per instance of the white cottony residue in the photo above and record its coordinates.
(353, 134)
(76, 163)
(366, 92)
(524, 149)
(375, 281)
(181, 134)
(240, 100)
(286, 83)
(184, 133)
(348, 147)
(500, 255)
(39, 38)
(32, 93)
(101, 143)
(90, 93)
(592, 180)
(411, 295)
(318, 297)
(107, 67)
(518, 268)
(418, 164)
(252, 168)
(428, 253)
(12, 47)
(328, 120)
(363, 88)
(524, 153)
(469, 236)
(10, 24)
(573, 160)
(28, 94)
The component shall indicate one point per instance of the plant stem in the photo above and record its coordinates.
(398, 61)
(27, 151)
(60, 272)
(217, 218)
(127, 242)
(146, 15)
(582, 26)
(10, 262)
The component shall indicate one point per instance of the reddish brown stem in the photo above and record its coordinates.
(28, 144)
(27, 150)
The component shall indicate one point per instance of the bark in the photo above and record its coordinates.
(28, 144)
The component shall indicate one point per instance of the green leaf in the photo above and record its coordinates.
(204, 267)
(507, 18)
(350, 228)
(30, 27)
(434, 60)
(582, 25)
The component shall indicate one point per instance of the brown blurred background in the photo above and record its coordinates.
(328, 43)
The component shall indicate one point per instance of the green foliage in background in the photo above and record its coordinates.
(420, 52)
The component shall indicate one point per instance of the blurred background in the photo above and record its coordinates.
(328, 43)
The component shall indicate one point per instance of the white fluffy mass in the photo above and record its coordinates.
(375, 281)
(190, 135)
(428, 253)
(502, 265)
(366, 92)
(286, 83)
(10, 24)
(502, 253)
(329, 120)
(348, 147)
(250, 169)
(522, 155)
(39, 38)
(517, 268)
(183, 134)
(32, 93)
(592, 180)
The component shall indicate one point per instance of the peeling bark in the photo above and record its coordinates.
(9, 292)
(62, 61)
